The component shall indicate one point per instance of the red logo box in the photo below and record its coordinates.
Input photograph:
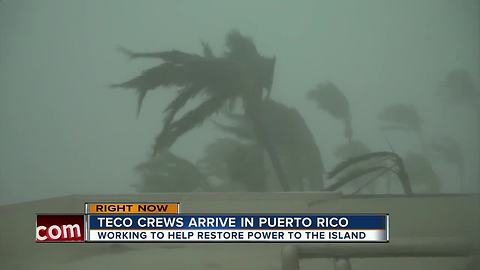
(60, 228)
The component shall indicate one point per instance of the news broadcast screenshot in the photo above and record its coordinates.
(240, 134)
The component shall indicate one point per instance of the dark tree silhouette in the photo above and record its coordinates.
(459, 88)
(241, 73)
(329, 98)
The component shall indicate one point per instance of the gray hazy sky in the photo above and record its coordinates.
(63, 131)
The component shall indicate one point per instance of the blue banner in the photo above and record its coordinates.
(210, 221)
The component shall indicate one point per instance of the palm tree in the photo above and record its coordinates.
(459, 88)
(378, 163)
(354, 149)
(241, 73)
(329, 98)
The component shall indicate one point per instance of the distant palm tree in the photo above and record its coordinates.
(378, 163)
(459, 88)
(329, 98)
(241, 73)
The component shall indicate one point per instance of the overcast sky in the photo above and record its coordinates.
(63, 131)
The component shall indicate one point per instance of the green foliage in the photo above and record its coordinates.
(375, 162)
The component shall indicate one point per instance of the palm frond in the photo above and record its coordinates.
(330, 99)
(372, 162)
(402, 115)
(362, 158)
(188, 121)
(166, 74)
(355, 174)
(179, 101)
(168, 56)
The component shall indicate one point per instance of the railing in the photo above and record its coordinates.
(342, 252)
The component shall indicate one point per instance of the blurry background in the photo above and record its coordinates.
(63, 131)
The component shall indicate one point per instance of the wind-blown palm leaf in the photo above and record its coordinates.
(166, 75)
(403, 116)
(187, 70)
(179, 101)
(375, 156)
(374, 162)
(190, 120)
(168, 56)
(355, 174)
(329, 98)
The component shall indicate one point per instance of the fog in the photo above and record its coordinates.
(64, 131)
